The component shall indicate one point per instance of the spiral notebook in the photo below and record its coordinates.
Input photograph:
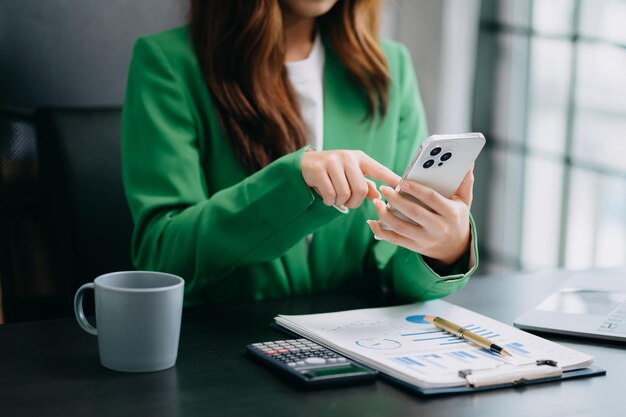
(407, 349)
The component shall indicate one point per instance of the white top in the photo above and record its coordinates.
(306, 77)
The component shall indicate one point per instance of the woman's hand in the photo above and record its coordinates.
(339, 176)
(443, 228)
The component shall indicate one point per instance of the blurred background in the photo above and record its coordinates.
(544, 80)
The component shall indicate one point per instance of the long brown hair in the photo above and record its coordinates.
(239, 44)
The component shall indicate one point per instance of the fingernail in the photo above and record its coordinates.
(385, 189)
(369, 223)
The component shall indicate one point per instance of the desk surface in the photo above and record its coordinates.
(51, 368)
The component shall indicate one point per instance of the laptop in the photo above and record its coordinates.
(588, 304)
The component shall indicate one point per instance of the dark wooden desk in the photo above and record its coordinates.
(51, 368)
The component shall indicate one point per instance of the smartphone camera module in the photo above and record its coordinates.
(428, 163)
(435, 151)
(446, 156)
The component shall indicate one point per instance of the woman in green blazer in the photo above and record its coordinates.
(224, 190)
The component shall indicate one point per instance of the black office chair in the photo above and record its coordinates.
(64, 217)
(29, 289)
(88, 219)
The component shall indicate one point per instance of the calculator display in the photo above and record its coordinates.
(336, 370)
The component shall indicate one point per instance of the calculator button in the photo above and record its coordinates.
(341, 359)
(257, 344)
(271, 352)
(315, 361)
(300, 363)
(292, 364)
(332, 360)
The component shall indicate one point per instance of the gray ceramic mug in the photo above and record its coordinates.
(138, 317)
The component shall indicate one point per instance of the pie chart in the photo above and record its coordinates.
(419, 319)
(378, 344)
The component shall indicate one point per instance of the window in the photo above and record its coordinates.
(550, 96)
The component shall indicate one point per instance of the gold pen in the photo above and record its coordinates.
(463, 333)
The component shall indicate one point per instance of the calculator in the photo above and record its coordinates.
(310, 364)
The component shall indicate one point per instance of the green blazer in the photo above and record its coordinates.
(234, 235)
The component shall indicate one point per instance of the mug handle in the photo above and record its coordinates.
(78, 309)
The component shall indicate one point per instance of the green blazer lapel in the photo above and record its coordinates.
(345, 117)
(345, 108)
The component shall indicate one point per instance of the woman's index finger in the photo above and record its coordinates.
(378, 171)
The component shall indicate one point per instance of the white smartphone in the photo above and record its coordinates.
(442, 162)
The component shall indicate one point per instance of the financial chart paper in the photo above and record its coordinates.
(402, 343)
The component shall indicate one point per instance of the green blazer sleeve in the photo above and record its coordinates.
(403, 271)
(179, 227)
